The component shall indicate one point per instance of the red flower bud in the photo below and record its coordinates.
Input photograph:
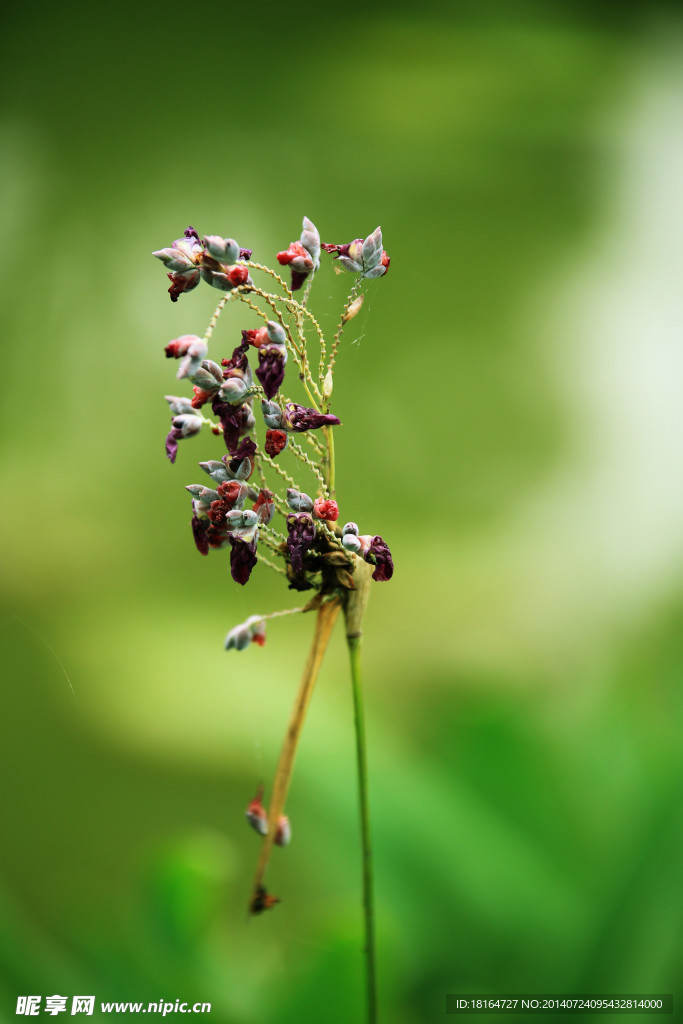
(326, 509)
(299, 261)
(276, 441)
(200, 397)
(237, 275)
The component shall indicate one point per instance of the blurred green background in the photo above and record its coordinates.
(510, 398)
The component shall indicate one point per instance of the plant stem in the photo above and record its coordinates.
(326, 618)
(329, 459)
(354, 617)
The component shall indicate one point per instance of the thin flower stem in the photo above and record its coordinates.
(368, 895)
(252, 305)
(327, 616)
(335, 342)
(277, 568)
(303, 457)
(262, 475)
(267, 270)
(307, 289)
(216, 313)
(298, 352)
(271, 532)
(270, 542)
(283, 472)
(334, 540)
(328, 434)
(314, 443)
(285, 611)
(354, 613)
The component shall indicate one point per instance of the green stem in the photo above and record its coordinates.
(354, 615)
(329, 459)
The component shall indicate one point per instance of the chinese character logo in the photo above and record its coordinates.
(28, 1005)
(55, 1004)
(82, 1004)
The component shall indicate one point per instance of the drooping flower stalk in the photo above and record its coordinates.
(326, 619)
(317, 553)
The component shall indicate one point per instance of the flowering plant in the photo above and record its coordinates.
(238, 507)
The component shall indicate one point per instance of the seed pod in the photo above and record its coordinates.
(353, 310)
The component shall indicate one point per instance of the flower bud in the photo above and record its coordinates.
(187, 425)
(310, 239)
(257, 628)
(299, 418)
(264, 506)
(272, 414)
(328, 384)
(271, 368)
(249, 518)
(183, 281)
(298, 501)
(299, 261)
(351, 542)
(216, 470)
(233, 391)
(378, 554)
(248, 421)
(238, 639)
(326, 509)
(276, 441)
(225, 250)
(174, 260)
(180, 405)
(350, 528)
(301, 535)
(207, 495)
(276, 333)
(191, 343)
(234, 519)
(205, 380)
(372, 250)
(283, 833)
(256, 812)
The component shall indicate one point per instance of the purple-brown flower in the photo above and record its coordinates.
(384, 563)
(242, 558)
(298, 418)
(301, 534)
